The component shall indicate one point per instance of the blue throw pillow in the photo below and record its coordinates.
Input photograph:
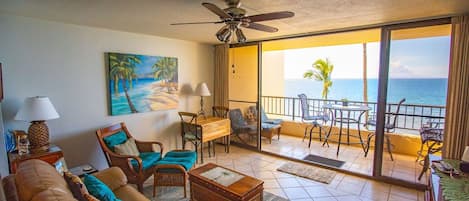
(115, 139)
(98, 189)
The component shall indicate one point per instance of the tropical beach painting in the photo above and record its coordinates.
(141, 83)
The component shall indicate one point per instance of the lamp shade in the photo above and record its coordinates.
(202, 90)
(38, 108)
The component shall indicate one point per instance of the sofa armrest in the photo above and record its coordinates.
(113, 177)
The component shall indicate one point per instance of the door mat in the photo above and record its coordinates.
(324, 161)
(177, 194)
(308, 171)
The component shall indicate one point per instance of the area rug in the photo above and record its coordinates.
(308, 171)
(177, 194)
(324, 161)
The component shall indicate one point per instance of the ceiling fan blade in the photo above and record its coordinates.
(270, 16)
(260, 27)
(184, 23)
(215, 9)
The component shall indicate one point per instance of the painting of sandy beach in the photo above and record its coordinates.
(140, 83)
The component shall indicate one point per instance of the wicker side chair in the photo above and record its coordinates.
(136, 168)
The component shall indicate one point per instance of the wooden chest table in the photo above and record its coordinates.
(245, 188)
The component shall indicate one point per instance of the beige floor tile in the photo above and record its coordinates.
(289, 182)
(353, 188)
(348, 198)
(271, 183)
(318, 191)
(325, 199)
(295, 193)
(397, 191)
(276, 191)
(303, 199)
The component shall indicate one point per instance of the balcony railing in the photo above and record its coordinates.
(411, 116)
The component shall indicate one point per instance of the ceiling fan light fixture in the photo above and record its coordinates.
(224, 34)
(240, 35)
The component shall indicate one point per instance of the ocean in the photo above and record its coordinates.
(138, 94)
(430, 91)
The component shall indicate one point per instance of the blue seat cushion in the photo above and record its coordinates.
(115, 139)
(149, 159)
(272, 121)
(185, 158)
(267, 126)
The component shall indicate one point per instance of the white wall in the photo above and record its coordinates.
(66, 62)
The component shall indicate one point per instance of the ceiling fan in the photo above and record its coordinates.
(235, 17)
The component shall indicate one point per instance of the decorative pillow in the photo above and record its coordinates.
(115, 139)
(127, 148)
(98, 189)
(76, 186)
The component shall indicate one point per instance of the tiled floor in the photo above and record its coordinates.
(343, 187)
(403, 167)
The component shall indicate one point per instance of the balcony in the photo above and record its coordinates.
(406, 139)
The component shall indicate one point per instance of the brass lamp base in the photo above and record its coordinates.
(38, 134)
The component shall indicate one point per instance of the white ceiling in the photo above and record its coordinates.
(154, 16)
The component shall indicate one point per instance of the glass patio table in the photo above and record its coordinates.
(337, 112)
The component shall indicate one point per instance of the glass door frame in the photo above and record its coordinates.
(259, 82)
(385, 47)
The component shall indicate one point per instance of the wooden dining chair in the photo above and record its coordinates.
(190, 132)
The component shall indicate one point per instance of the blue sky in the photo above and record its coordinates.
(410, 58)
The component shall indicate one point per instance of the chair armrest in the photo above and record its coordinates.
(147, 146)
(113, 177)
(123, 161)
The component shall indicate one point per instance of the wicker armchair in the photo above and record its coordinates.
(136, 168)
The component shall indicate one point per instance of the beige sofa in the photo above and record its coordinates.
(37, 180)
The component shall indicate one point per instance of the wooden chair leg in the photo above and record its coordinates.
(185, 194)
(201, 152)
(140, 187)
(154, 185)
(213, 144)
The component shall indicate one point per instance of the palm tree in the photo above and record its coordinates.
(165, 69)
(122, 68)
(321, 71)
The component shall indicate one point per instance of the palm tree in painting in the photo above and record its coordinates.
(165, 69)
(122, 68)
(321, 71)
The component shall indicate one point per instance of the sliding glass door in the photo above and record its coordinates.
(243, 94)
(414, 98)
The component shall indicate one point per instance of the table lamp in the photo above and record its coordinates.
(202, 90)
(37, 110)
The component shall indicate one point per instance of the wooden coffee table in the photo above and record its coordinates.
(213, 182)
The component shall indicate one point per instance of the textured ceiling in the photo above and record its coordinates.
(154, 16)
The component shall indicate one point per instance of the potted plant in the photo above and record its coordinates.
(344, 102)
